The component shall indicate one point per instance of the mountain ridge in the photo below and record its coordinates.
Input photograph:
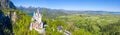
(32, 9)
(7, 4)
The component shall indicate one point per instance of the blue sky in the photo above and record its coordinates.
(101, 5)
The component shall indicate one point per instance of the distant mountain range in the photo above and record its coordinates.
(33, 9)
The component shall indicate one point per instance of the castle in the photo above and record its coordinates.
(37, 23)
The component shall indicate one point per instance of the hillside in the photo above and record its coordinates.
(13, 21)
(79, 23)
(58, 22)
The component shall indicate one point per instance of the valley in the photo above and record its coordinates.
(45, 21)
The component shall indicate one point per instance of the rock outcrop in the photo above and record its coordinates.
(6, 4)
(13, 16)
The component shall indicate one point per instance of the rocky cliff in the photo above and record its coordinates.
(6, 20)
(6, 4)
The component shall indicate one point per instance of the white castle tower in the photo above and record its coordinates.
(37, 16)
(37, 22)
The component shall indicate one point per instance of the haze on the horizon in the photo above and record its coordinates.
(101, 5)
